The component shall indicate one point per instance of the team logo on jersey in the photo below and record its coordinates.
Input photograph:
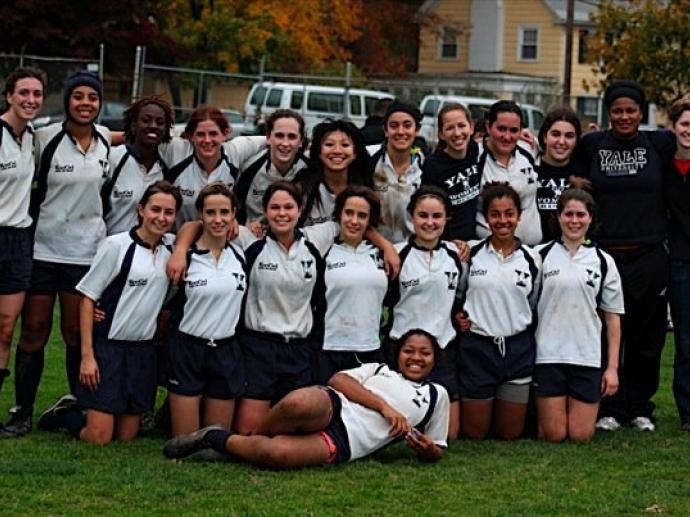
(105, 167)
(553, 272)
(529, 172)
(478, 272)
(241, 281)
(452, 277)
(420, 399)
(622, 163)
(187, 192)
(409, 283)
(268, 266)
(64, 168)
(197, 283)
(306, 268)
(141, 282)
(336, 265)
(378, 260)
(8, 165)
(521, 278)
(123, 194)
(592, 277)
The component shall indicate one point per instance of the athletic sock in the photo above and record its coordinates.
(72, 365)
(74, 421)
(4, 374)
(217, 438)
(28, 368)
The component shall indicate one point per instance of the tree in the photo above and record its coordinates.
(644, 40)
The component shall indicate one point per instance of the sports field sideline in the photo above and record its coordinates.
(623, 473)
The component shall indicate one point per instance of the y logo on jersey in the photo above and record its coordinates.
(306, 268)
(105, 167)
(419, 399)
(529, 172)
(240, 279)
(521, 278)
(452, 277)
(592, 277)
(377, 260)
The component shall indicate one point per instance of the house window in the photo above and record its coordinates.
(529, 40)
(449, 46)
(588, 107)
(582, 46)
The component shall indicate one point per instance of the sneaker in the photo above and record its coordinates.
(148, 422)
(608, 423)
(186, 444)
(642, 423)
(51, 418)
(19, 423)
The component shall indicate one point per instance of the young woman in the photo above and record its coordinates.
(23, 95)
(678, 203)
(397, 169)
(578, 282)
(502, 159)
(497, 354)
(361, 411)
(127, 280)
(282, 160)
(338, 159)
(67, 210)
(453, 167)
(425, 294)
(625, 167)
(205, 361)
(355, 285)
(205, 156)
(558, 136)
(136, 165)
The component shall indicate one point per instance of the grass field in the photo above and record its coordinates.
(623, 473)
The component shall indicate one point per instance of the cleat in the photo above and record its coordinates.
(51, 418)
(643, 423)
(608, 423)
(186, 444)
(19, 423)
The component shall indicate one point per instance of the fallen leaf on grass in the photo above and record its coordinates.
(655, 508)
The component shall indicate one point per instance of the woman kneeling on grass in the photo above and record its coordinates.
(362, 410)
(128, 282)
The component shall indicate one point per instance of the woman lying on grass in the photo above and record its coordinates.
(361, 411)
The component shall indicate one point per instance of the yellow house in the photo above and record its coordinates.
(507, 49)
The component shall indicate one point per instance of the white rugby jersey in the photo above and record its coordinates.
(501, 291)
(522, 176)
(128, 182)
(255, 176)
(368, 431)
(127, 279)
(188, 173)
(355, 287)
(573, 288)
(282, 285)
(395, 192)
(16, 175)
(426, 290)
(323, 206)
(67, 201)
(208, 303)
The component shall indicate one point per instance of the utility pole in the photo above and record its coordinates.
(567, 72)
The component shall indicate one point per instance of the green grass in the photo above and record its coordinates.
(623, 473)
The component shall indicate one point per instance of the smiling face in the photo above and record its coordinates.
(285, 141)
(574, 221)
(282, 212)
(625, 115)
(149, 127)
(416, 358)
(456, 132)
(429, 220)
(682, 130)
(337, 152)
(217, 215)
(400, 131)
(84, 105)
(354, 220)
(26, 99)
(158, 214)
(502, 218)
(207, 139)
(504, 132)
(560, 140)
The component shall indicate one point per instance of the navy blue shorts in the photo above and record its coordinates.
(274, 367)
(582, 383)
(128, 378)
(329, 362)
(483, 366)
(200, 367)
(336, 430)
(53, 277)
(16, 251)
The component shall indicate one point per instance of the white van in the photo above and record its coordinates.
(315, 103)
(532, 116)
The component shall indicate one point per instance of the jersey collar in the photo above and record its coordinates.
(416, 246)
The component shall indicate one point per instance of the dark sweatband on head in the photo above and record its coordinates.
(619, 89)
